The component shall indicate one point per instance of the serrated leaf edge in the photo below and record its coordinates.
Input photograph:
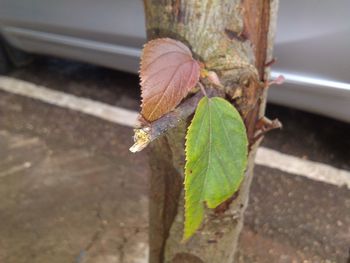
(185, 237)
(187, 49)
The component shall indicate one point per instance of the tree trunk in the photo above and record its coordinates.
(233, 38)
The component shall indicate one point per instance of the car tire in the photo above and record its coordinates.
(4, 61)
(16, 57)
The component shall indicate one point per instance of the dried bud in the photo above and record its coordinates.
(279, 80)
(213, 78)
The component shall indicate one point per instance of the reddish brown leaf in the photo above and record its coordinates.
(168, 72)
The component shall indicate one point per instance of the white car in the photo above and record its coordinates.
(312, 44)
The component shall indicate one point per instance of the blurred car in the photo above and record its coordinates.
(312, 44)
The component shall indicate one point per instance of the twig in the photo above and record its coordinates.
(263, 126)
(144, 135)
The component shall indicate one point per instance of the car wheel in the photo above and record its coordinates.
(16, 57)
(4, 61)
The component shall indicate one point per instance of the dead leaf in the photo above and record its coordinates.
(168, 72)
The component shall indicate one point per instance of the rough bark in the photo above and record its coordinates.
(233, 38)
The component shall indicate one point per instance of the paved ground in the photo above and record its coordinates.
(70, 191)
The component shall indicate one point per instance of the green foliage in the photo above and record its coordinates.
(216, 153)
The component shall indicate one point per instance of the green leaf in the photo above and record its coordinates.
(216, 154)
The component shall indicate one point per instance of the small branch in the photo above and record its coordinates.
(263, 126)
(271, 62)
(144, 135)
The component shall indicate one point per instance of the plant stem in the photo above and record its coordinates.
(202, 89)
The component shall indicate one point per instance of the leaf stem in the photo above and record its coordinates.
(202, 88)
